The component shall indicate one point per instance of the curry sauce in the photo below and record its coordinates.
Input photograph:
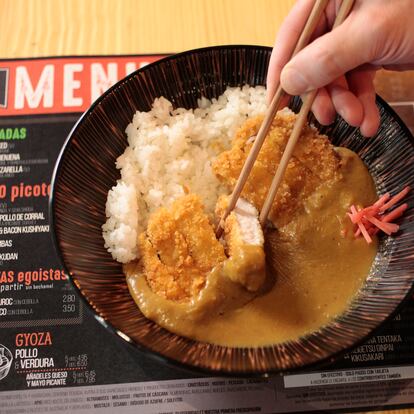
(315, 266)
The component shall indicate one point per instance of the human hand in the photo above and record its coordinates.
(342, 63)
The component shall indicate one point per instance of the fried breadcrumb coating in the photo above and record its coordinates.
(314, 162)
(179, 248)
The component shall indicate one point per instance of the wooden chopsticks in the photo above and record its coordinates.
(304, 39)
(297, 129)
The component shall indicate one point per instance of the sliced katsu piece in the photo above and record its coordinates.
(314, 162)
(244, 241)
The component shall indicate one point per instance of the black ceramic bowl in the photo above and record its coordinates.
(86, 170)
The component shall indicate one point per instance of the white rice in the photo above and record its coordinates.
(169, 149)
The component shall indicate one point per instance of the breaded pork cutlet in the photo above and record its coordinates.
(180, 249)
(314, 162)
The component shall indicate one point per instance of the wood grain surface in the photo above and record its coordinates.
(88, 27)
(31, 28)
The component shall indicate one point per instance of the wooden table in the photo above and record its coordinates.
(91, 27)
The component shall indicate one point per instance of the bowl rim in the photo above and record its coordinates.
(155, 355)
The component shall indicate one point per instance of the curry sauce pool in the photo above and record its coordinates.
(318, 265)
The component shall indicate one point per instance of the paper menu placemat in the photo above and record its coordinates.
(56, 357)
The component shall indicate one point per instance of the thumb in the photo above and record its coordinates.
(326, 59)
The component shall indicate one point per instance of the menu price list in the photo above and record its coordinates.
(32, 281)
(35, 358)
(36, 297)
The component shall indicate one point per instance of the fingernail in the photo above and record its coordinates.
(343, 113)
(293, 81)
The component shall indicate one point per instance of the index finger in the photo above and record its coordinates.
(286, 40)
